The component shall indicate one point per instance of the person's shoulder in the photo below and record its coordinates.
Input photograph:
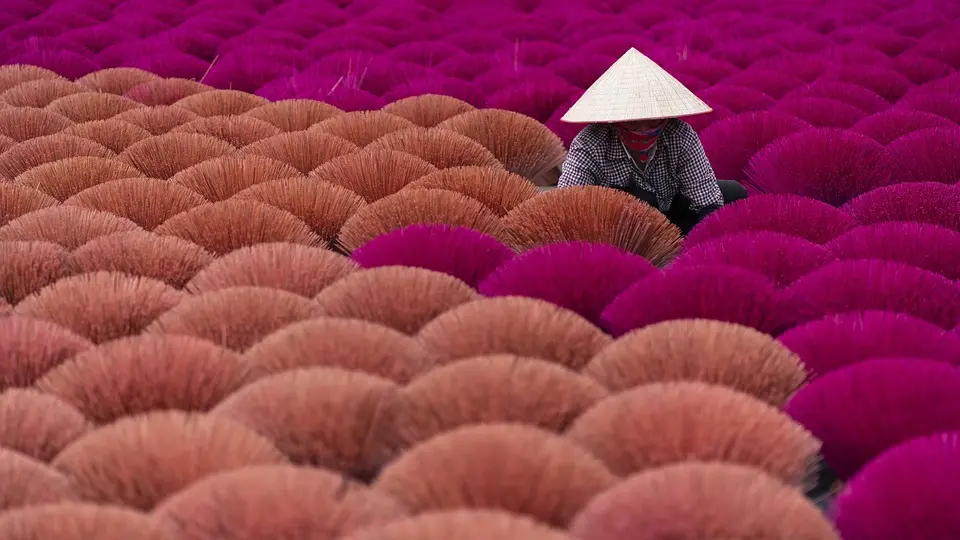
(680, 129)
(591, 137)
(681, 135)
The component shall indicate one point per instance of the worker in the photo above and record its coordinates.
(636, 142)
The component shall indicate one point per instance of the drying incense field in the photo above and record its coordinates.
(284, 270)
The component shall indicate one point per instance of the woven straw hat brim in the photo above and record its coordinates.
(634, 88)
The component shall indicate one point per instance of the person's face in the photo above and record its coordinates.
(641, 125)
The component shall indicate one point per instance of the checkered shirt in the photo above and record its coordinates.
(678, 165)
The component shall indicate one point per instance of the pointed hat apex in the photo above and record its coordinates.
(634, 88)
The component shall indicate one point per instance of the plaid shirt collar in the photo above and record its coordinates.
(655, 174)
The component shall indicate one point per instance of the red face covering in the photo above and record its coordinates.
(640, 142)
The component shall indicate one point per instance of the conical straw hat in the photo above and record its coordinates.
(634, 88)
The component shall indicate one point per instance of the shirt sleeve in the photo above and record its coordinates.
(697, 180)
(579, 168)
